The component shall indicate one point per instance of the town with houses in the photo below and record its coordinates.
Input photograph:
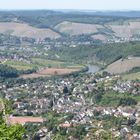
(69, 75)
(76, 96)
(47, 105)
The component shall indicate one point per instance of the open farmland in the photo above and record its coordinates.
(127, 30)
(54, 64)
(19, 65)
(45, 67)
(73, 28)
(41, 63)
(99, 37)
(49, 72)
(123, 65)
(24, 30)
(55, 71)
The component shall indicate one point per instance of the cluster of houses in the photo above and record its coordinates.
(126, 87)
(122, 39)
(67, 95)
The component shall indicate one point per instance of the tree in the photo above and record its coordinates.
(9, 132)
(8, 72)
(127, 101)
(79, 132)
(12, 132)
(105, 73)
(59, 137)
(65, 90)
(36, 137)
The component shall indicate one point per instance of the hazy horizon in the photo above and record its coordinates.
(90, 5)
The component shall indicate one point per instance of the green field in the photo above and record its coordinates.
(54, 63)
(41, 63)
(20, 65)
(132, 76)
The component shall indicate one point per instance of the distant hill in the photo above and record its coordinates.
(125, 29)
(132, 14)
(25, 30)
(102, 25)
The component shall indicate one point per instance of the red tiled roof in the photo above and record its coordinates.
(23, 120)
(137, 84)
(65, 125)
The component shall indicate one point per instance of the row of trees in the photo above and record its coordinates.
(127, 101)
(10, 72)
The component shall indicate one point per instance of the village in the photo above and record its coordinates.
(80, 95)
(82, 99)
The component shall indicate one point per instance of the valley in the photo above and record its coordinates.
(69, 76)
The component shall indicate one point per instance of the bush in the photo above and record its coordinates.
(8, 72)
(127, 102)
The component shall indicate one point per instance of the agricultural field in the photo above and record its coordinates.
(19, 65)
(55, 64)
(25, 30)
(41, 63)
(73, 28)
(123, 65)
(44, 67)
(49, 72)
(126, 29)
(99, 37)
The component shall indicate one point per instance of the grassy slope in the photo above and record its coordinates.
(123, 65)
(132, 76)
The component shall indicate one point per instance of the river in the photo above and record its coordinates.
(93, 68)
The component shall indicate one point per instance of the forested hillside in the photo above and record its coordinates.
(105, 53)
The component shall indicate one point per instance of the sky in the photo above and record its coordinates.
(71, 4)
